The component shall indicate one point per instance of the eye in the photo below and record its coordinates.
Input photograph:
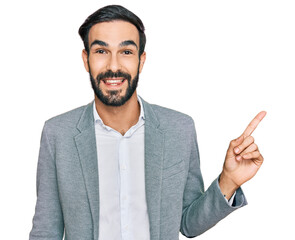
(100, 51)
(127, 52)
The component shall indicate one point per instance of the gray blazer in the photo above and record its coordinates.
(67, 178)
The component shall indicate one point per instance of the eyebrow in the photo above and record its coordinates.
(122, 44)
(99, 42)
(128, 42)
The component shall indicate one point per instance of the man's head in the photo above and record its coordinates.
(114, 42)
(108, 14)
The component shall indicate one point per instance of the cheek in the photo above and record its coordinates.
(97, 65)
(131, 65)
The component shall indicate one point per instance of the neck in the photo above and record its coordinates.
(119, 118)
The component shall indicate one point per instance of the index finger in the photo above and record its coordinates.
(254, 123)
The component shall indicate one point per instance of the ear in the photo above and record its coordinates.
(142, 60)
(85, 59)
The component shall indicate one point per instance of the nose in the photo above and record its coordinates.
(114, 64)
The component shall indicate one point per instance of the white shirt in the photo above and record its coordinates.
(123, 210)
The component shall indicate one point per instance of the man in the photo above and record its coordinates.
(121, 168)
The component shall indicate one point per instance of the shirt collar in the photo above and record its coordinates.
(97, 118)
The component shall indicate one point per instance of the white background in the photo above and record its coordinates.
(219, 61)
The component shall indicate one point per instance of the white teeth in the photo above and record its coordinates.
(114, 81)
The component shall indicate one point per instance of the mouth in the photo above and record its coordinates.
(113, 82)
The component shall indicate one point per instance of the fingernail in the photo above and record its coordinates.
(236, 150)
(238, 158)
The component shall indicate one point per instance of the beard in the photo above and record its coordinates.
(112, 97)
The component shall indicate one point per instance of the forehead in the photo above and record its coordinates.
(113, 32)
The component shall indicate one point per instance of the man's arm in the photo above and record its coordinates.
(48, 219)
(202, 210)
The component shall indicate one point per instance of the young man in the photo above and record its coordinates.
(121, 168)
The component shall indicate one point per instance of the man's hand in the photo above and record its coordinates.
(242, 160)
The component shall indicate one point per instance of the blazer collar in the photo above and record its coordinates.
(86, 120)
(150, 115)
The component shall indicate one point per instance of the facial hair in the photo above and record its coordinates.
(113, 98)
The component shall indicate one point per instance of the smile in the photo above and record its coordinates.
(114, 82)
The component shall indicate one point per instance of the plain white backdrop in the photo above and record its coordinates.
(219, 61)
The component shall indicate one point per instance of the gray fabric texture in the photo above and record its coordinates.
(67, 179)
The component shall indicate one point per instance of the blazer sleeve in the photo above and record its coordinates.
(48, 219)
(202, 210)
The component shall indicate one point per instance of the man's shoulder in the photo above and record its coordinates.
(67, 119)
(170, 118)
(168, 112)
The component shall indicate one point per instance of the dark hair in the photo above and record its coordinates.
(108, 14)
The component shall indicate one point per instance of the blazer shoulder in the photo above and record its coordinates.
(170, 118)
(67, 119)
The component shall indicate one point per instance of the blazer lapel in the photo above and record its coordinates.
(154, 146)
(86, 145)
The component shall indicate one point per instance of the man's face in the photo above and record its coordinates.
(113, 61)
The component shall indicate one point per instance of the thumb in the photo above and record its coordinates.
(240, 139)
(236, 142)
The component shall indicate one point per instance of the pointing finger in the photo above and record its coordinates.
(254, 123)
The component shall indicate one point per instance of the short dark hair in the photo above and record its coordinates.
(112, 13)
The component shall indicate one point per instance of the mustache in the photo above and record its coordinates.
(111, 74)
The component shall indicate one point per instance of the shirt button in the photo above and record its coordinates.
(124, 167)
